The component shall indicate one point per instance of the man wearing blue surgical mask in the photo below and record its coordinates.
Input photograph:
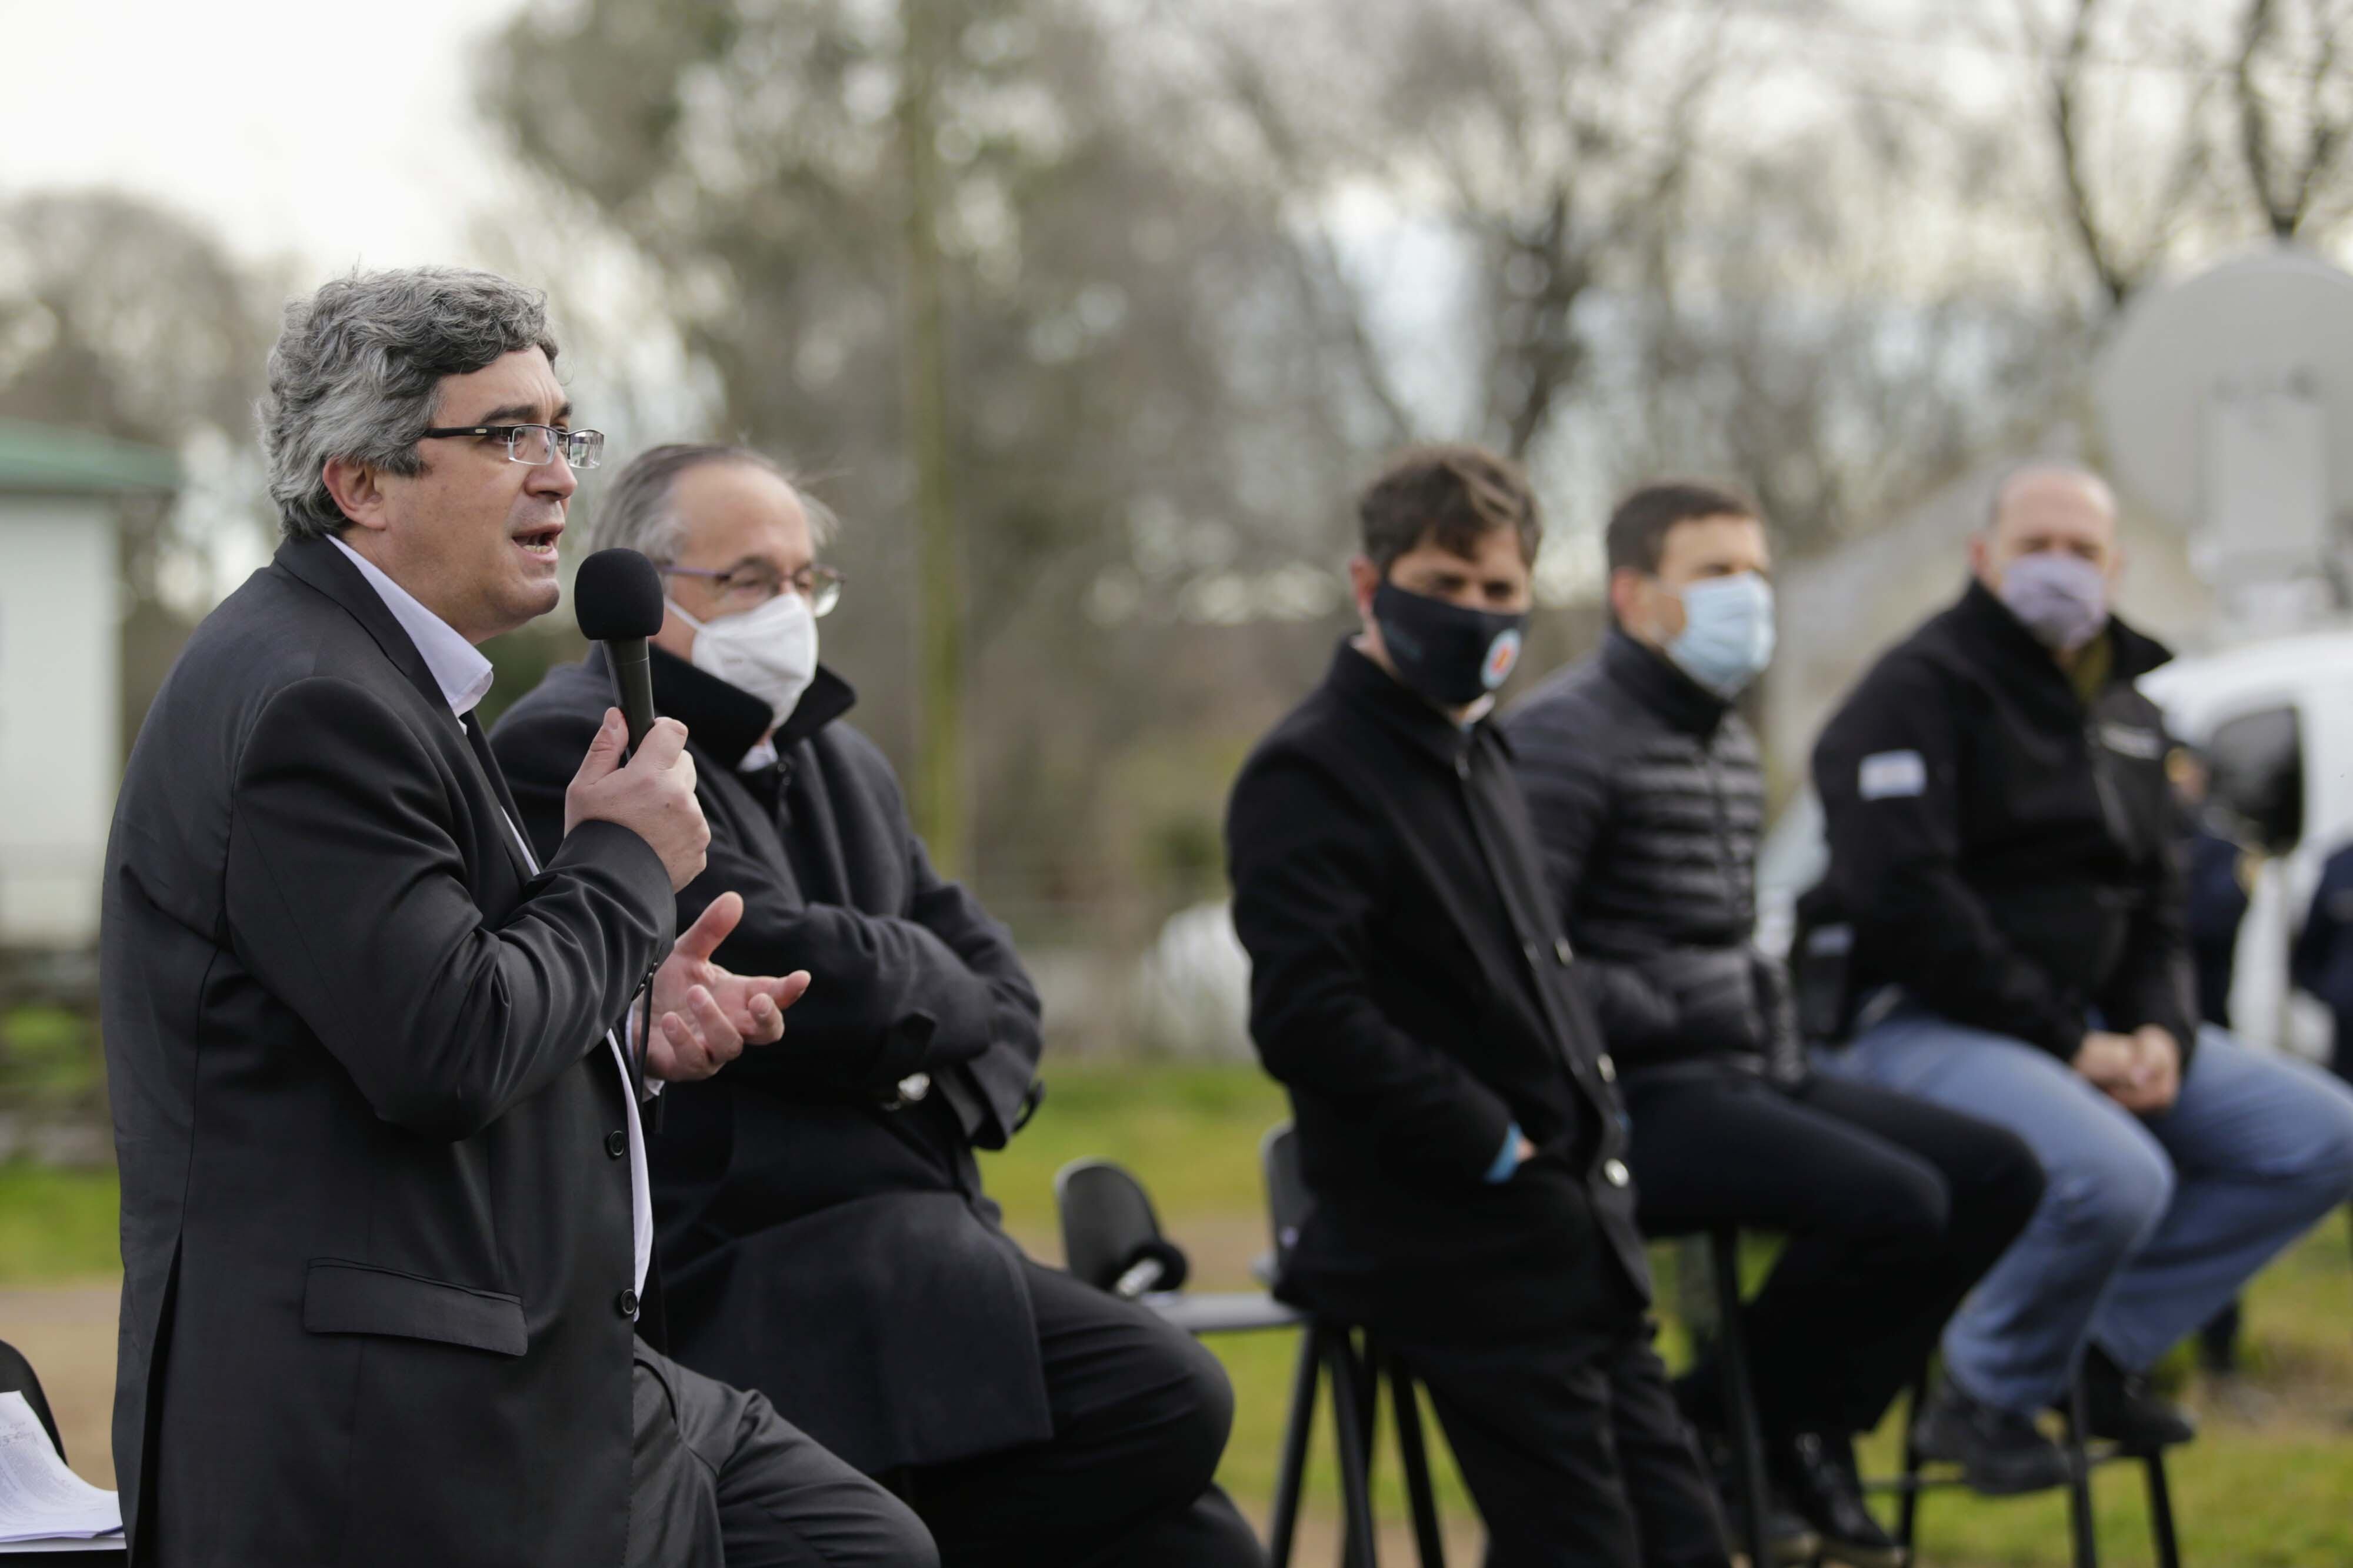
(823, 1230)
(2005, 873)
(1647, 794)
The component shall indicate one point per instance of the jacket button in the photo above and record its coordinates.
(1609, 1070)
(626, 1303)
(617, 1143)
(1614, 1172)
(1560, 949)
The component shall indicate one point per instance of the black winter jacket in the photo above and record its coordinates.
(1409, 987)
(1648, 797)
(822, 1239)
(2004, 853)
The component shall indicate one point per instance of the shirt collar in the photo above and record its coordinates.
(457, 666)
(1405, 710)
(727, 721)
(1658, 684)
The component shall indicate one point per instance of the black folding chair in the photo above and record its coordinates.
(2085, 1455)
(1743, 1432)
(16, 1376)
(1112, 1239)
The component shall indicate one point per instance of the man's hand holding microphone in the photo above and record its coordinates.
(705, 1014)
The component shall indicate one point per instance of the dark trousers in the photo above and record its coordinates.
(1574, 1451)
(1140, 1414)
(1893, 1208)
(717, 1478)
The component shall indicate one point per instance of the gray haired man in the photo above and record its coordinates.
(824, 1234)
(386, 1218)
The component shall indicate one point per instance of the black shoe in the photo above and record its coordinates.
(2118, 1405)
(1818, 1475)
(2002, 1453)
(1787, 1537)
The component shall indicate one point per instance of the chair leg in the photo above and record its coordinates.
(2161, 1513)
(2079, 1480)
(1357, 1546)
(1908, 1507)
(1297, 1430)
(1415, 1459)
(1739, 1393)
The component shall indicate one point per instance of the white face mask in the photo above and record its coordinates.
(769, 652)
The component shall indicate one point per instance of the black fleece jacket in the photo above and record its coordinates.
(2004, 850)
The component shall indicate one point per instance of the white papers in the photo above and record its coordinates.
(38, 1496)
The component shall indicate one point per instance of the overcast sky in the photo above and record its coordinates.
(332, 133)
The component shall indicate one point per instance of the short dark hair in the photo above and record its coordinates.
(1637, 536)
(1455, 494)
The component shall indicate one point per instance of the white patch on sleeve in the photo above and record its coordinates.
(1892, 775)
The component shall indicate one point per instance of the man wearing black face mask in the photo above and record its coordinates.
(2003, 852)
(1647, 793)
(1457, 1119)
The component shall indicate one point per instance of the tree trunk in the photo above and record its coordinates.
(940, 799)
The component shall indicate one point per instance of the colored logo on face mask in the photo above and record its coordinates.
(1502, 654)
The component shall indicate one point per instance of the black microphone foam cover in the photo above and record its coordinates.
(618, 594)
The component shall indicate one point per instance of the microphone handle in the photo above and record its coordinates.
(633, 684)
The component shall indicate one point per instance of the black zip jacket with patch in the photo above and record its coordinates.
(2004, 851)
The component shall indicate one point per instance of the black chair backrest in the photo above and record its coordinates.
(1287, 1197)
(16, 1376)
(1107, 1220)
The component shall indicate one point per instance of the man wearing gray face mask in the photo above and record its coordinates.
(822, 1228)
(1647, 794)
(2003, 857)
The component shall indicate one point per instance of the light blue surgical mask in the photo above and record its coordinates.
(1727, 635)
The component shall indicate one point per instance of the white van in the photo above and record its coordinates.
(2276, 720)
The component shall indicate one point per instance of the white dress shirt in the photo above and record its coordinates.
(464, 676)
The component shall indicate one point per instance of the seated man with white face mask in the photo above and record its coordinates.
(822, 1224)
(1647, 794)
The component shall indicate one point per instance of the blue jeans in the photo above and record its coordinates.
(2148, 1225)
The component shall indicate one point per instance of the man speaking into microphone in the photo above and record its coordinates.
(385, 1214)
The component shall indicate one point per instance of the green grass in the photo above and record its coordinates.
(57, 1226)
(2273, 1494)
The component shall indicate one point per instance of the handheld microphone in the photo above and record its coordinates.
(617, 596)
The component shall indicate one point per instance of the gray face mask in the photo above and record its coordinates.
(2062, 599)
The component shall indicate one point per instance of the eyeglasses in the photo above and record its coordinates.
(754, 584)
(534, 444)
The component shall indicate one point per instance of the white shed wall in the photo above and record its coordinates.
(60, 649)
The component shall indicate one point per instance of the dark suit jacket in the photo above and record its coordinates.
(817, 1244)
(1409, 986)
(374, 1244)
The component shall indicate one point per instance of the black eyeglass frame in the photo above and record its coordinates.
(565, 441)
(823, 590)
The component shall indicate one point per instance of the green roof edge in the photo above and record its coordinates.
(49, 459)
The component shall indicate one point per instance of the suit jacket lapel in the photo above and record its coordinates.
(318, 564)
(488, 761)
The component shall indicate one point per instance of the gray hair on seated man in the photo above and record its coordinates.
(357, 372)
(635, 512)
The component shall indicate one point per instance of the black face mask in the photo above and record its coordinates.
(1450, 655)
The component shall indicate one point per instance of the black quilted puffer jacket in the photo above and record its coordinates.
(1649, 798)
